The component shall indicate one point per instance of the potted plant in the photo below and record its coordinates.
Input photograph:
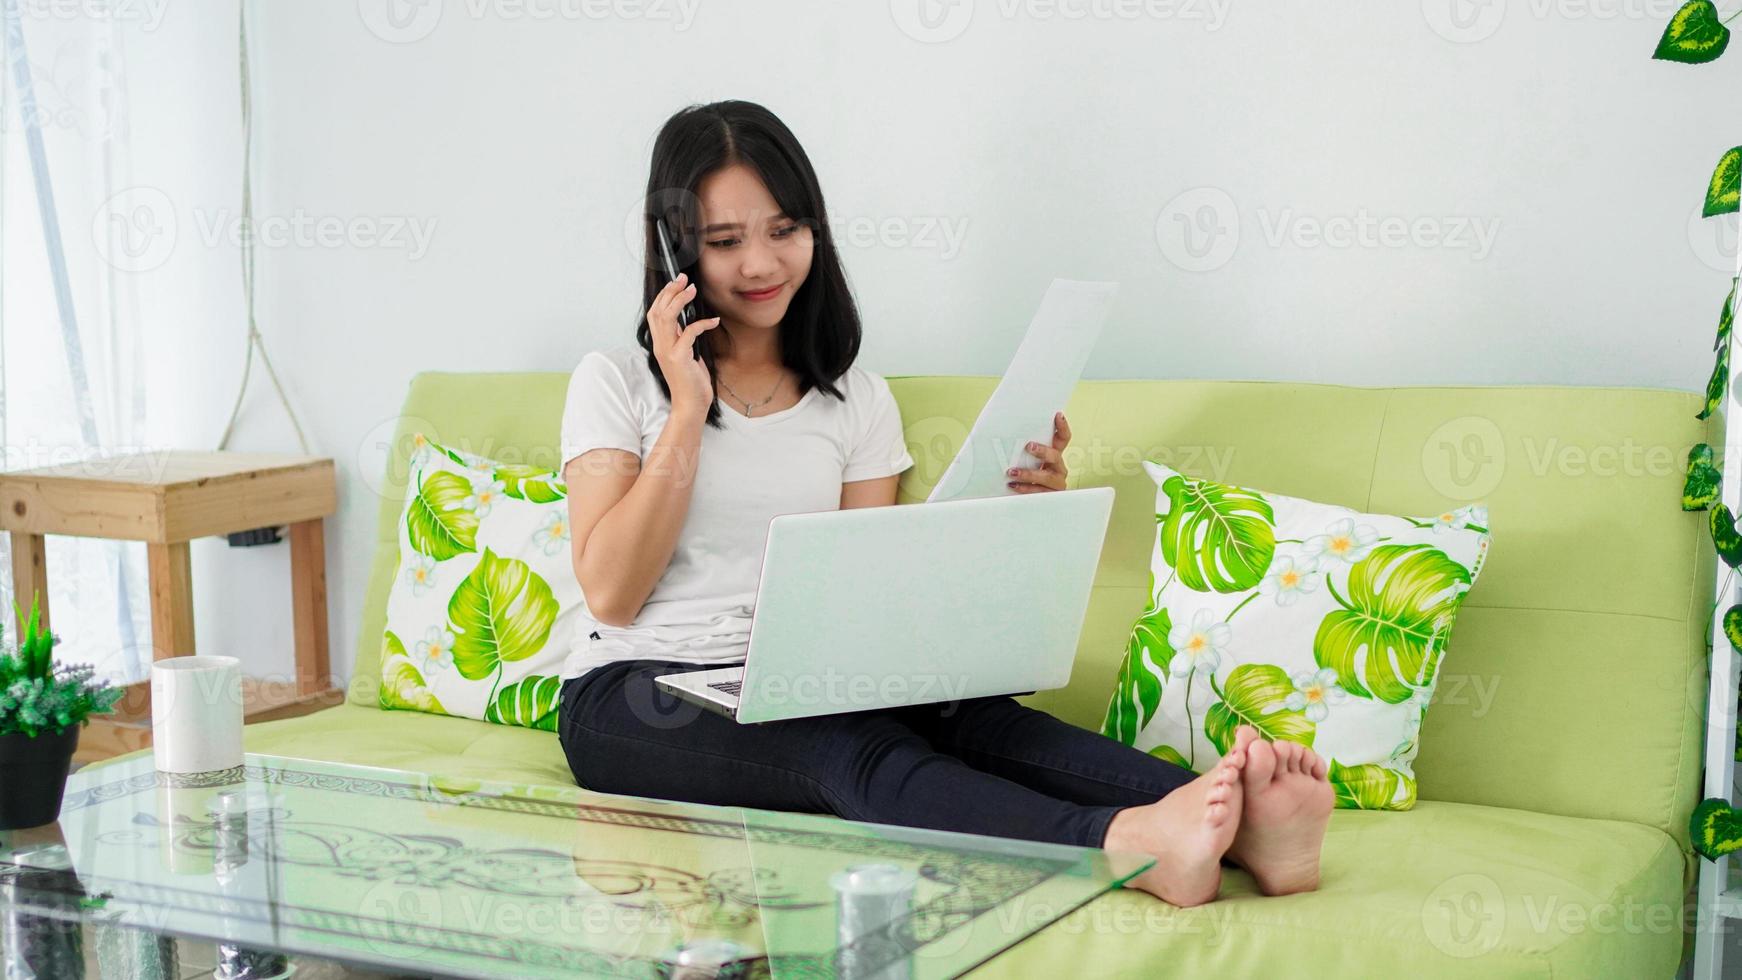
(42, 707)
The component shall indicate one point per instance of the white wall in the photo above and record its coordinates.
(1054, 146)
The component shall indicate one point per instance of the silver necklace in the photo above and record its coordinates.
(747, 406)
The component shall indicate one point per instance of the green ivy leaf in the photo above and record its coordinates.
(1257, 695)
(1694, 36)
(436, 523)
(1724, 536)
(530, 702)
(502, 611)
(1733, 626)
(1723, 191)
(1700, 490)
(1716, 384)
(1727, 316)
(1716, 828)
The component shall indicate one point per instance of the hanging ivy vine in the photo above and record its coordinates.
(1697, 35)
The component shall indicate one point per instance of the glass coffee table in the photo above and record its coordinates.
(289, 865)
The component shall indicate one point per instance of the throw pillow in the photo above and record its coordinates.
(1311, 622)
(481, 609)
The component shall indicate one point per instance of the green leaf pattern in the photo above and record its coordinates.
(1401, 599)
(1138, 693)
(438, 523)
(1216, 537)
(1256, 695)
(487, 635)
(502, 612)
(1345, 664)
(530, 702)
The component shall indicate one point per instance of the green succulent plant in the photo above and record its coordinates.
(39, 698)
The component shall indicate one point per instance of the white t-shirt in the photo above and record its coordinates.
(787, 462)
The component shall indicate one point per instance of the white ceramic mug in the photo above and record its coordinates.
(196, 714)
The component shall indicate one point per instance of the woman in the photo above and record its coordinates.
(677, 454)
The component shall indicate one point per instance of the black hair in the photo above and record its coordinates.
(820, 334)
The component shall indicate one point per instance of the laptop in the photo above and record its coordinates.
(883, 607)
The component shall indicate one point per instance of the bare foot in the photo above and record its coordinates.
(1187, 831)
(1287, 805)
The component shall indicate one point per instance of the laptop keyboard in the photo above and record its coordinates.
(727, 687)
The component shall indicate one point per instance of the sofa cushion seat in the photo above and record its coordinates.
(415, 742)
(1446, 889)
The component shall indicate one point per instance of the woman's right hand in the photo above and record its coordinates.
(674, 347)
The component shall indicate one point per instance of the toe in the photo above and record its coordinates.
(1261, 761)
(1287, 756)
(1320, 767)
(1243, 738)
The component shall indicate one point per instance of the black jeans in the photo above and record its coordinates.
(980, 766)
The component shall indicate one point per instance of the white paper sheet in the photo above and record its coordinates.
(1039, 382)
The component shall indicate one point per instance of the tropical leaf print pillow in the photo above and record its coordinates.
(481, 609)
(1311, 622)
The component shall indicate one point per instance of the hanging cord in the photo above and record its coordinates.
(255, 340)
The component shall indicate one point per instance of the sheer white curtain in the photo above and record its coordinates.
(74, 233)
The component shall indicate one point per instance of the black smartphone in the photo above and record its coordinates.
(668, 258)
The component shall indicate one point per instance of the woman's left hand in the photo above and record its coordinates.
(1052, 472)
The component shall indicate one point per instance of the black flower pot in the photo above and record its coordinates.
(33, 775)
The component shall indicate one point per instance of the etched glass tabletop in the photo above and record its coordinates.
(412, 874)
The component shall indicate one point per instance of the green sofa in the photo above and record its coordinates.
(1559, 763)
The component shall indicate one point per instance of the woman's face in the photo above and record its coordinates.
(754, 257)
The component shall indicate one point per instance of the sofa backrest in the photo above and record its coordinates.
(1574, 682)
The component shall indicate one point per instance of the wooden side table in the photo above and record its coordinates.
(167, 499)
